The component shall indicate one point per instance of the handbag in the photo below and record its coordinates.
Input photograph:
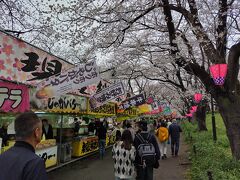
(156, 165)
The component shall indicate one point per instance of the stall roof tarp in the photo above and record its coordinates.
(25, 63)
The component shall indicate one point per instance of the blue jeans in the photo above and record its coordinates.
(101, 144)
(175, 146)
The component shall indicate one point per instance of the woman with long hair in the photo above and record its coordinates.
(123, 154)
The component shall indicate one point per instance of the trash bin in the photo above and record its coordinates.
(66, 152)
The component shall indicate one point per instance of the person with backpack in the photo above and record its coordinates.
(124, 154)
(174, 132)
(162, 134)
(148, 153)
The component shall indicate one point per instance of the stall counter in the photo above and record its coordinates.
(47, 150)
(84, 145)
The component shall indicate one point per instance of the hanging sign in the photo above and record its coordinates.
(106, 109)
(67, 103)
(129, 112)
(134, 101)
(73, 79)
(155, 108)
(106, 95)
(13, 97)
(22, 62)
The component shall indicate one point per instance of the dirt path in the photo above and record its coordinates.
(92, 168)
(174, 168)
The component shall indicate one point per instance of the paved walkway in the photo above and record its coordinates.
(92, 168)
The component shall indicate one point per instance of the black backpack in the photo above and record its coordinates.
(146, 151)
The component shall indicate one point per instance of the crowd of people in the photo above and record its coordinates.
(136, 151)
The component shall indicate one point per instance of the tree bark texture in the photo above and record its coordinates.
(230, 113)
(201, 118)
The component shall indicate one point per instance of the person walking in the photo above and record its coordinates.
(102, 134)
(20, 162)
(162, 134)
(124, 154)
(129, 127)
(148, 153)
(174, 132)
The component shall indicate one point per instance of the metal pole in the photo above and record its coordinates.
(60, 140)
(213, 121)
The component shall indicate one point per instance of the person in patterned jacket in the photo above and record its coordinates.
(124, 154)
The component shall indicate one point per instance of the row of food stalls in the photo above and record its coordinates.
(60, 113)
(26, 83)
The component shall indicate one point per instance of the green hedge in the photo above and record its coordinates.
(210, 156)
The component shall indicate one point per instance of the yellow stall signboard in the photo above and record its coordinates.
(105, 110)
(49, 155)
(84, 146)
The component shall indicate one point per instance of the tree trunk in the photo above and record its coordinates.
(201, 118)
(230, 111)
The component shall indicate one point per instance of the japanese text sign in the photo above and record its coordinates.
(106, 109)
(65, 103)
(73, 79)
(106, 95)
(68, 104)
(134, 101)
(14, 97)
(22, 62)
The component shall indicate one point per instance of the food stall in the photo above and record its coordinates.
(60, 112)
(86, 144)
(14, 99)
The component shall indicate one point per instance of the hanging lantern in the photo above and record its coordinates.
(218, 72)
(189, 115)
(197, 97)
(193, 108)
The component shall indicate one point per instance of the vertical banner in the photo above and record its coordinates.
(22, 62)
(13, 97)
(73, 79)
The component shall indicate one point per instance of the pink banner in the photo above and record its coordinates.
(13, 97)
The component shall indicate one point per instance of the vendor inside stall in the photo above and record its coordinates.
(47, 129)
(76, 126)
(4, 134)
(91, 127)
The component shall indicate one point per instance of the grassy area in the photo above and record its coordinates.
(207, 156)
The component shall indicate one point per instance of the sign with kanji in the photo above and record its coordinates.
(73, 79)
(106, 95)
(63, 104)
(131, 102)
(13, 97)
(22, 62)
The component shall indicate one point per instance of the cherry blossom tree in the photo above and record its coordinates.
(181, 37)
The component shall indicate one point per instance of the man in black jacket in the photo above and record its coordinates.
(145, 172)
(102, 134)
(20, 162)
(47, 129)
(174, 132)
